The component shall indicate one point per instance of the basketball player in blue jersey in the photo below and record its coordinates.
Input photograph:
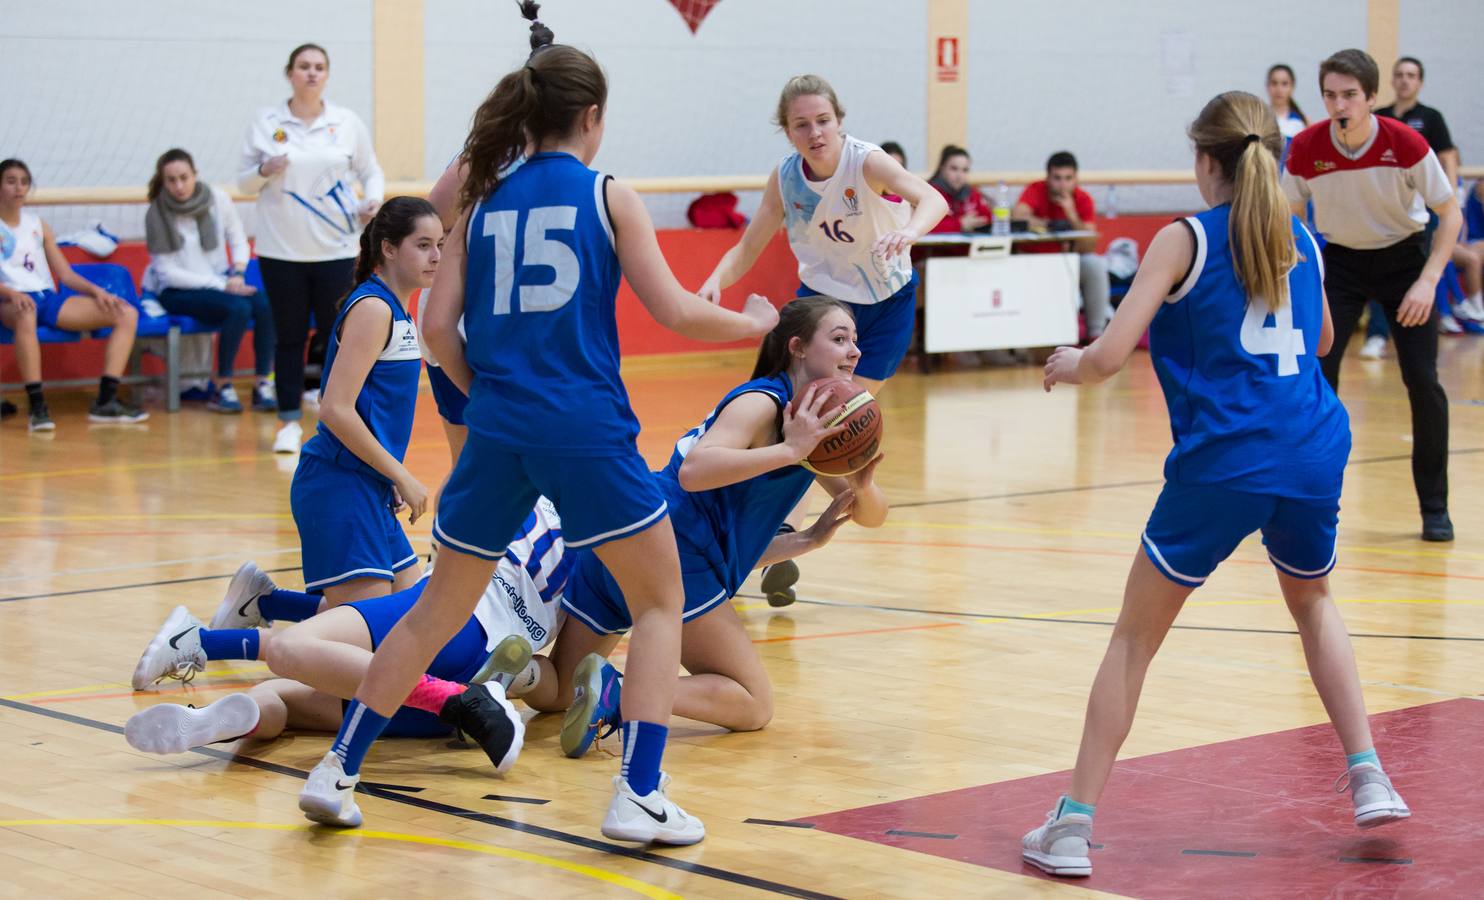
(852, 243)
(1234, 302)
(729, 483)
(535, 278)
(320, 661)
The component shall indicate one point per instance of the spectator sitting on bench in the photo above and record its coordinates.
(967, 208)
(189, 226)
(1058, 204)
(29, 257)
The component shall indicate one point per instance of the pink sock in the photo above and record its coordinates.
(431, 692)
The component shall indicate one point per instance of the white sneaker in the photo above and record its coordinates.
(239, 608)
(310, 399)
(172, 728)
(1471, 309)
(290, 436)
(174, 652)
(329, 797)
(1376, 801)
(1373, 348)
(1060, 846)
(651, 819)
(1449, 325)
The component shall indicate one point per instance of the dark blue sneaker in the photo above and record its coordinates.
(198, 393)
(264, 398)
(595, 705)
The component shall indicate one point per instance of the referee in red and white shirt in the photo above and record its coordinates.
(1372, 181)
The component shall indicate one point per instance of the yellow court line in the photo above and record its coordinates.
(614, 878)
(147, 517)
(108, 685)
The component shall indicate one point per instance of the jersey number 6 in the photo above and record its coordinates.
(538, 251)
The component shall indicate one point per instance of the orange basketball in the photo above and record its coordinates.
(850, 450)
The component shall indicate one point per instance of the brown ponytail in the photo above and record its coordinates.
(541, 99)
(1239, 133)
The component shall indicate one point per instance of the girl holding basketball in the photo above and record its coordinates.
(852, 243)
(729, 484)
(535, 273)
(1261, 443)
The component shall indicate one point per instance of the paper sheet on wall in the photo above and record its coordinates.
(1177, 59)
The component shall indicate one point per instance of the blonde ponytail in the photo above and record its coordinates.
(1238, 132)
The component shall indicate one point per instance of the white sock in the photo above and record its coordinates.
(526, 681)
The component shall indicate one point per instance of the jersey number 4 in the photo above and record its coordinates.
(1280, 339)
(538, 251)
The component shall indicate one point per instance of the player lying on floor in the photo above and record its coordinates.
(322, 659)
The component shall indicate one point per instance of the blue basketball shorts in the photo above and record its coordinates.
(451, 401)
(459, 660)
(48, 307)
(346, 525)
(593, 596)
(492, 489)
(883, 331)
(1193, 528)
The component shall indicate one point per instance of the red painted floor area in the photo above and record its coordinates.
(1256, 817)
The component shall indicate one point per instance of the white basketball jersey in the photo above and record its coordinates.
(833, 225)
(525, 593)
(23, 256)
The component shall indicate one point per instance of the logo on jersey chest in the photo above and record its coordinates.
(852, 202)
(280, 136)
(1324, 165)
(1389, 156)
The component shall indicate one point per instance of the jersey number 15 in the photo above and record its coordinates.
(538, 251)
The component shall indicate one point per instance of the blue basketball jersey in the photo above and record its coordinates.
(540, 284)
(388, 397)
(731, 526)
(1249, 407)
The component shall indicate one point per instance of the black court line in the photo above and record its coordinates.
(1234, 853)
(1375, 859)
(1086, 488)
(777, 823)
(404, 788)
(923, 834)
(536, 801)
(1050, 621)
(690, 868)
(143, 584)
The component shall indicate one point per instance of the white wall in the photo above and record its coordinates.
(1073, 75)
(105, 87)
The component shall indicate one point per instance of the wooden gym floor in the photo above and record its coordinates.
(930, 682)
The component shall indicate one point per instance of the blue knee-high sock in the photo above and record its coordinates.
(358, 731)
(643, 749)
(230, 643)
(288, 606)
(1365, 756)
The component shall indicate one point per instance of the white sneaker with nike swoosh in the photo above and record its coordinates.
(651, 819)
(329, 795)
(239, 606)
(174, 652)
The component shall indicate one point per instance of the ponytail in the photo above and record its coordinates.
(541, 99)
(797, 319)
(1238, 132)
(396, 219)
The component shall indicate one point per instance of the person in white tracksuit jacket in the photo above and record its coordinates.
(302, 158)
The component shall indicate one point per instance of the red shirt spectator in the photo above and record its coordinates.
(1038, 200)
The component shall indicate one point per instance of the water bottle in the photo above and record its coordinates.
(1001, 226)
(1111, 212)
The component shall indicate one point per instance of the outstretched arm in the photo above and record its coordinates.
(737, 261)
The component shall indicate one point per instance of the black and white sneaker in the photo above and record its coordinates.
(483, 713)
(239, 608)
(41, 418)
(651, 819)
(115, 412)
